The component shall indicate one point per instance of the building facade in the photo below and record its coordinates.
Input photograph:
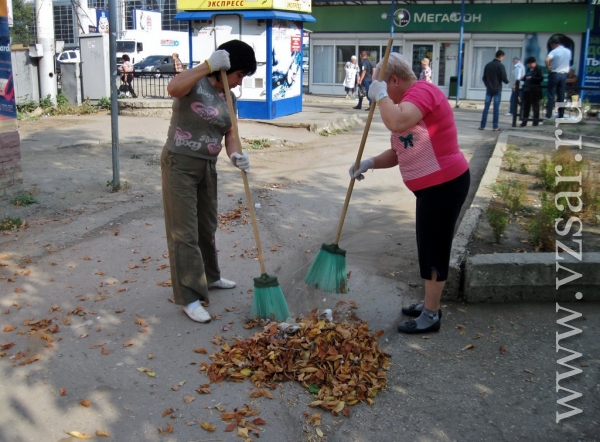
(433, 31)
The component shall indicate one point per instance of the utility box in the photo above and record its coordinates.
(25, 75)
(95, 66)
(71, 82)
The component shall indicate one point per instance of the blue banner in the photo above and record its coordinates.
(8, 109)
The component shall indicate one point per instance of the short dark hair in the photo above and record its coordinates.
(530, 60)
(125, 57)
(241, 56)
(499, 53)
(555, 41)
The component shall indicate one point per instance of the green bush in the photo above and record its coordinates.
(62, 100)
(498, 220)
(512, 194)
(512, 157)
(541, 227)
(104, 103)
(27, 106)
(46, 103)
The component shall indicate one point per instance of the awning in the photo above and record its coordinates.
(247, 14)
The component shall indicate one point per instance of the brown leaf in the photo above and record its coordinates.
(129, 343)
(7, 346)
(502, 349)
(232, 426)
(30, 360)
(87, 258)
(140, 321)
(104, 351)
(8, 328)
(207, 426)
(116, 232)
(188, 399)
(121, 310)
(85, 403)
(63, 391)
(167, 430)
(102, 433)
(259, 421)
(201, 351)
(80, 435)
(242, 432)
(469, 347)
(167, 412)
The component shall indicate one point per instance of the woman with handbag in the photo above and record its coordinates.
(126, 70)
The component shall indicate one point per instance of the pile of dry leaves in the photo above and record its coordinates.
(339, 362)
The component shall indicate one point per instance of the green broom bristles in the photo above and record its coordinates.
(328, 272)
(269, 302)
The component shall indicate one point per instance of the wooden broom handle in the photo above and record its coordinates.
(363, 141)
(234, 127)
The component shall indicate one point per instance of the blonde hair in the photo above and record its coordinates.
(175, 54)
(397, 65)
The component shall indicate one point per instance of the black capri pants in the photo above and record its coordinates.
(438, 208)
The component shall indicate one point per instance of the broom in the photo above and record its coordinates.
(269, 302)
(328, 271)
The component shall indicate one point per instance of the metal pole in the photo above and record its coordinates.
(114, 105)
(392, 20)
(585, 50)
(45, 37)
(190, 43)
(460, 51)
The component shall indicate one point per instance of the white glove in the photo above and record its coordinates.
(364, 165)
(378, 90)
(218, 60)
(241, 161)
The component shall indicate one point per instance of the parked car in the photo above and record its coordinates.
(70, 56)
(157, 64)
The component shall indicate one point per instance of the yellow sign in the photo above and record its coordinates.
(3, 8)
(229, 5)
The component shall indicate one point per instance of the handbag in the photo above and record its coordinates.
(362, 91)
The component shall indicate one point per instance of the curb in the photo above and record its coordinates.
(470, 220)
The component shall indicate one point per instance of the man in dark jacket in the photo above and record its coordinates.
(494, 75)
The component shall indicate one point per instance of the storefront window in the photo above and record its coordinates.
(342, 56)
(448, 63)
(510, 53)
(321, 64)
(373, 53)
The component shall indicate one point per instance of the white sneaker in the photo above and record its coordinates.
(199, 314)
(508, 113)
(222, 284)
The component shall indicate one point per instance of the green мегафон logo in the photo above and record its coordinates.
(401, 17)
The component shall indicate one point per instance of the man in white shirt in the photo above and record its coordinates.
(557, 63)
(519, 71)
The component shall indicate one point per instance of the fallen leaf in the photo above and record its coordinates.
(502, 349)
(104, 351)
(242, 432)
(8, 328)
(121, 310)
(469, 347)
(167, 430)
(102, 433)
(167, 412)
(129, 343)
(319, 432)
(30, 360)
(63, 391)
(188, 399)
(79, 435)
(208, 427)
(7, 346)
(201, 351)
(85, 403)
(141, 322)
(232, 426)
(259, 421)
(528, 371)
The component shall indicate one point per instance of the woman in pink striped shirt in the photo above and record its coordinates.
(424, 144)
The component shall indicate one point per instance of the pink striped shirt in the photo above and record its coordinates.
(428, 153)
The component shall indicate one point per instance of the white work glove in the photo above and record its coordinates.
(378, 90)
(241, 161)
(364, 165)
(218, 60)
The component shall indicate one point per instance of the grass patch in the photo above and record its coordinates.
(8, 224)
(512, 157)
(258, 144)
(24, 199)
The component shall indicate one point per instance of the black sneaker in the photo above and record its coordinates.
(412, 311)
(410, 327)
(368, 109)
(356, 107)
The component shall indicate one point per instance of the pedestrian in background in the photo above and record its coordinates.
(494, 75)
(424, 143)
(425, 71)
(366, 76)
(199, 123)
(532, 91)
(519, 71)
(572, 92)
(351, 70)
(557, 63)
(177, 62)
(126, 70)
